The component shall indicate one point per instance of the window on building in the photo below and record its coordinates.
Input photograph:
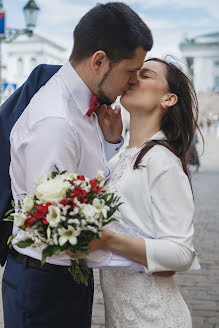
(20, 66)
(216, 63)
(33, 62)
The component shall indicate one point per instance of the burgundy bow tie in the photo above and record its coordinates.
(94, 106)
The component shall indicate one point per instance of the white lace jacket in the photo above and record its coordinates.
(157, 206)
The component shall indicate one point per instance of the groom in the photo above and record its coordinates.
(59, 126)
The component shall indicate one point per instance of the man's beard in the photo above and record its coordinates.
(102, 98)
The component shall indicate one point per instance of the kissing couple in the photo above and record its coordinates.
(50, 120)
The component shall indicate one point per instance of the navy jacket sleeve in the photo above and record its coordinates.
(10, 111)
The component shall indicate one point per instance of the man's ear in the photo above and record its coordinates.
(98, 61)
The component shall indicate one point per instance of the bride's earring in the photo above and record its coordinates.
(163, 107)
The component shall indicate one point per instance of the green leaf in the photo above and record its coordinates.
(53, 174)
(12, 203)
(10, 239)
(50, 251)
(9, 219)
(80, 271)
(56, 167)
(8, 212)
(84, 248)
(63, 172)
(25, 243)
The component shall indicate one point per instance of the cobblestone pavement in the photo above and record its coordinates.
(200, 289)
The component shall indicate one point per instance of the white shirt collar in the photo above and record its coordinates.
(158, 136)
(78, 89)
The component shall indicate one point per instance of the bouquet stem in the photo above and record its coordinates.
(80, 271)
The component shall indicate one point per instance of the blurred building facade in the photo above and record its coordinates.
(201, 55)
(24, 54)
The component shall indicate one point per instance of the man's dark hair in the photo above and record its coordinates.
(113, 28)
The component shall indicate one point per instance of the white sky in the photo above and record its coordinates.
(169, 20)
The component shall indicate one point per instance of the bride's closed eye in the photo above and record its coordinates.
(147, 74)
(143, 76)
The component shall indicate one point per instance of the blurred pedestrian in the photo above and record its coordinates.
(193, 158)
(208, 125)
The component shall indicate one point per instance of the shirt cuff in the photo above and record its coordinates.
(153, 262)
(104, 259)
(112, 149)
(162, 255)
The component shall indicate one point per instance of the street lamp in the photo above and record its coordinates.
(30, 15)
(31, 11)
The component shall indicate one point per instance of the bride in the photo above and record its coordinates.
(154, 224)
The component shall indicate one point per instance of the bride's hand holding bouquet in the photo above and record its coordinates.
(66, 212)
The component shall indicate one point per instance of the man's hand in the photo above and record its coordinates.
(164, 273)
(94, 245)
(102, 242)
(110, 122)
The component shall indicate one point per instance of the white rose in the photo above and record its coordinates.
(28, 203)
(19, 218)
(54, 216)
(41, 179)
(52, 190)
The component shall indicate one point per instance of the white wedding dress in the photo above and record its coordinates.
(138, 300)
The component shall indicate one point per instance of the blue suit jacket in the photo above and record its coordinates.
(10, 111)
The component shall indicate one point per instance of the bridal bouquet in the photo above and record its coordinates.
(65, 212)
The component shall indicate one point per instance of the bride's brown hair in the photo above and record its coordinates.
(180, 121)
